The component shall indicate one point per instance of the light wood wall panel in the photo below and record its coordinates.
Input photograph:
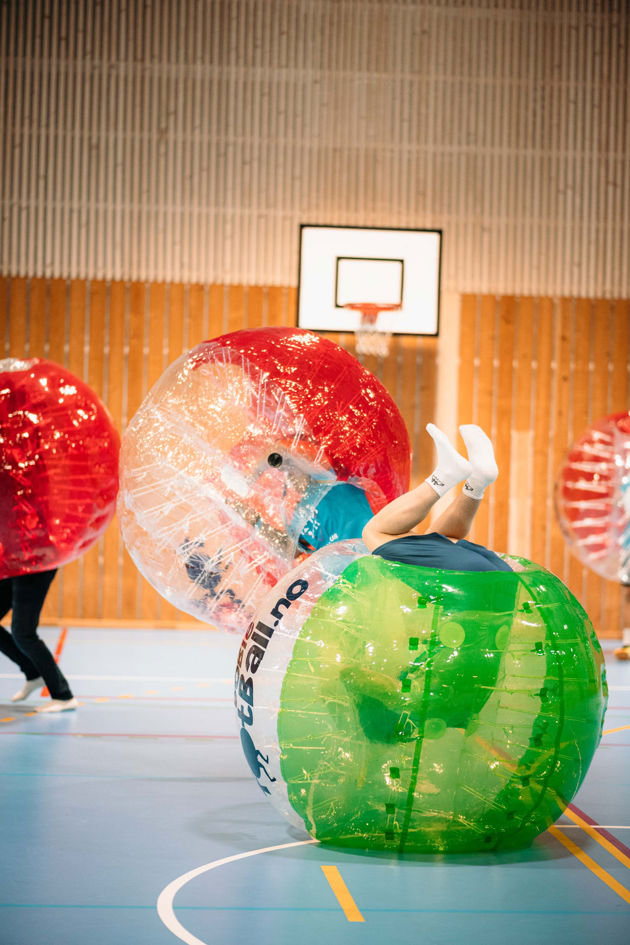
(186, 141)
(535, 373)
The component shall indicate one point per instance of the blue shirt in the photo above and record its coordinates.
(437, 551)
(343, 513)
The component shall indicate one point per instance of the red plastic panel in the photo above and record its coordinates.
(59, 466)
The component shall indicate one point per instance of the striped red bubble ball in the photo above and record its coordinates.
(593, 497)
(58, 466)
(251, 449)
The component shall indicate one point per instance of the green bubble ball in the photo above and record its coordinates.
(393, 707)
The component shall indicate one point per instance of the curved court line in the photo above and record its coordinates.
(165, 899)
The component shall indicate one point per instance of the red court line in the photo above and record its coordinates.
(601, 830)
(57, 654)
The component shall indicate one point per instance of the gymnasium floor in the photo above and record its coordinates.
(136, 821)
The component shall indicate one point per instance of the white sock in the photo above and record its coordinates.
(29, 686)
(451, 467)
(481, 456)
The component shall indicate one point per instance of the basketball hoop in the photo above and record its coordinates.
(371, 340)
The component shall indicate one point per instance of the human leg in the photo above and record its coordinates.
(456, 521)
(407, 511)
(481, 456)
(7, 643)
(29, 593)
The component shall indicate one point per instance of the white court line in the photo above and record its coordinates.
(165, 899)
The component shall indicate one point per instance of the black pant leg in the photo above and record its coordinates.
(29, 594)
(7, 643)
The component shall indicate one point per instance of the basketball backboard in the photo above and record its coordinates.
(397, 270)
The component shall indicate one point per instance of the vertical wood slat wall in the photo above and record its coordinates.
(150, 141)
(534, 372)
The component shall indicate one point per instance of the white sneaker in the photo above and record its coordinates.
(59, 705)
(29, 686)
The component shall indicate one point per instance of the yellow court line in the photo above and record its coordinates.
(605, 877)
(342, 893)
(622, 728)
(596, 835)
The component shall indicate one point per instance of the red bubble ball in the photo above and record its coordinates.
(348, 410)
(58, 466)
(592, 497)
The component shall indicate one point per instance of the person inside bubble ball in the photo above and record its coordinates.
(390, 533)
(24, 595)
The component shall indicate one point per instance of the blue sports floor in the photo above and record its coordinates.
(135, 821)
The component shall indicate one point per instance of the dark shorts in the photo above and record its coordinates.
(437, 551)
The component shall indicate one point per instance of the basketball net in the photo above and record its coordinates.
(371, 340)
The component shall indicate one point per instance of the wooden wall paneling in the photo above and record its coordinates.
(215, 312)
(388, 371)
(37, 328)
(156, 357)
(602, 356)
(484, 402)
(276, 306)
(560, 426)
(579, 415)
(291, 301)
(56, 305)
(156, 335)
(521, 437)
(176, 311)
(618, 597)
(425, 404)
(468, 339)
(236, 308)
(176, 321)
(93, 559)
(405, 395)
(118, 298)
(615, 609)
(596, 592)
(17, 317)
(196, 315)
(619, 399)
(500, 492)
(71, 577)
(4, 316)
(255, 306)
(57, 320)
(543, 354)
(77, 289)
(389, 367)
(130, 603)
(109, 171)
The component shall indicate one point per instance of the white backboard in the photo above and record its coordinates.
(386, 266)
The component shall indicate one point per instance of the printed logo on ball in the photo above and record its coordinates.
(250, 658)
